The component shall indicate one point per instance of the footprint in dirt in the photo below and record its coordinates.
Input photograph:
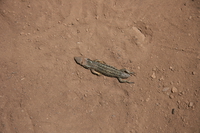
(142, 34)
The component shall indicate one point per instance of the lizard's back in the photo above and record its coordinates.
(104, 69)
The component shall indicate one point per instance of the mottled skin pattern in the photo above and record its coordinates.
(100, 67)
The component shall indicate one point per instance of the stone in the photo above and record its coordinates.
(174, 90)
(147, 99)
(171, 68)
(190, 104)
(173, 111)
(193, 73)
(161, 79)
(153, 75)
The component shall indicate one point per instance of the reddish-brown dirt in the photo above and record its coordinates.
(43, 90)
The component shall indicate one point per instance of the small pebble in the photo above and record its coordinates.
(174, 90)
(190, 104)
(193, 73)
(162, 78)
(173, 111)
(171, 68)
(78, 42)
(153, 75)
(147, 99)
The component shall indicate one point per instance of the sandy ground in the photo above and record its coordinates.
(43, 90)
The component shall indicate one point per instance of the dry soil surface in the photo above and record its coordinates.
(43, 90)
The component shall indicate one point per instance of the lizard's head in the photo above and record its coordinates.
(81, 61)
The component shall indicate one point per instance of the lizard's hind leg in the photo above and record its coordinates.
(95, 72)
(124, 81)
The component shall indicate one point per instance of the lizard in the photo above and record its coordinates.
(100, 67)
